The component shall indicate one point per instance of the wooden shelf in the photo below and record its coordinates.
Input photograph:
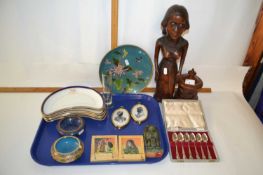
(52, 89)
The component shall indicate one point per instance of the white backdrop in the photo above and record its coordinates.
(54, 31)
(61, 42)
(220, 30)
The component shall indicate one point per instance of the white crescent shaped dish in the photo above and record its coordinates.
(74, 99)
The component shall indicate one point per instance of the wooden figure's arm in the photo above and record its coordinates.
(156, 55)
(185, 48)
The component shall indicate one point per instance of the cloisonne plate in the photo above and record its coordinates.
(130, 66)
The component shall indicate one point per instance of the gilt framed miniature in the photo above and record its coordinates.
(120, 118)
(131, 148)
(139, 113)
(104, 148)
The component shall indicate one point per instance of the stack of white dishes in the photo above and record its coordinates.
(74, 101)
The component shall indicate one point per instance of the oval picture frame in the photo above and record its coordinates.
(139, 113)
(120, 117)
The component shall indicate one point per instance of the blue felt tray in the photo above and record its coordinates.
(47, 133)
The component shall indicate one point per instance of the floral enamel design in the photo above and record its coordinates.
(129, 68)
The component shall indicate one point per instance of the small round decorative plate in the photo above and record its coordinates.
(130, 66)
(71, 126)
(120, 117)
(139, 113)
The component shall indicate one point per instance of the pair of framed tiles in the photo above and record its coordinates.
(109, 148)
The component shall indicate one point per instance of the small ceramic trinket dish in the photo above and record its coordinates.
(72, 125)
(67, 149)
(120, 117)
(139, 113)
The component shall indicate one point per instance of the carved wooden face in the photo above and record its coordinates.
(176, 26)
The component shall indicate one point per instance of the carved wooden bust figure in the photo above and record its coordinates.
(173, 48)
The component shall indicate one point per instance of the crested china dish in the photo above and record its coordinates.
(74, 100)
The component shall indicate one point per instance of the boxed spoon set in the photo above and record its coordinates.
(187, 132)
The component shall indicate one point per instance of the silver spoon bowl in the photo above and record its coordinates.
(175, 139)
(193, 140)
(181, 139)
(199, 140)
(187, 139)
(205, 139)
